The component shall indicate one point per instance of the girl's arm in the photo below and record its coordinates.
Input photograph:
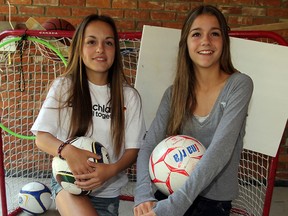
(76, 158)
(42, 138)
(103, 172)
(144, 193)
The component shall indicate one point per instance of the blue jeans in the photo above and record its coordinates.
(203, 206)
(207, 207)
(104, 206)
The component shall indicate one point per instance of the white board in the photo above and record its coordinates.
(265, 63)
(155, 69)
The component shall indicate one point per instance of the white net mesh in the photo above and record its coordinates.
(27, 67)
(253, 182)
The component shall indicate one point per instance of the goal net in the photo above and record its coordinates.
(29, 61)
(256, 172)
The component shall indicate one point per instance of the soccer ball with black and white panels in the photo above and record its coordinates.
(62, 172)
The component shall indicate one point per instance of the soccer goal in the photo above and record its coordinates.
(30, 60)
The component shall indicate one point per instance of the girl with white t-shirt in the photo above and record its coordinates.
(92, 99)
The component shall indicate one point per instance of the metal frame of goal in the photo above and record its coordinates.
(30, 60)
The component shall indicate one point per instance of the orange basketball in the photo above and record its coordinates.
(59, 24)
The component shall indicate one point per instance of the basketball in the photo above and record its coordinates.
(59, 24)
(173, 160)
(62, 44)
(34, 198)
(61, 171)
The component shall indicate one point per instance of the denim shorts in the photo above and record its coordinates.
(104, 206)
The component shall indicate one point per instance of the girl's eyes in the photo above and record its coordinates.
(93, 42)
(213, 34)
(216, 34)
(110, 43)
(196, 34)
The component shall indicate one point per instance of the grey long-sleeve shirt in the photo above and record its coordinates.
(215, 175)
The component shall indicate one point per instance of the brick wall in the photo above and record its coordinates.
(131, 15)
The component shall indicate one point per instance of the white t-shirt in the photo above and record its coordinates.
(50, 121)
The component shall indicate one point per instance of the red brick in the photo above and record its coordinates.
(124, 4)
(116, 14)
(179, 7)
(82, 12)
(195, 4)
(266, 3)
(58, 11)
(163, 15)
(20, 2)
(216, 1)
(174, 25)
(181, 17)
(35, 10)
(20, 19)
(127, 24)
(283, 158)
(152, 5)
(241, 2)
(46, 2)
(98, 3)
(240, 20)
(235, 10)
(5, 10)
(136, 14)
(79, 3)
(254, 11)
(140, 24)
(277, 12)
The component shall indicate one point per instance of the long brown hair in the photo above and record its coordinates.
(79, 95)
(183, 100)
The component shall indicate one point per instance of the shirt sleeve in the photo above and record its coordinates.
(48, 117)
(156, 133)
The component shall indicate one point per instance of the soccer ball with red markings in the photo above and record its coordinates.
(173, 160)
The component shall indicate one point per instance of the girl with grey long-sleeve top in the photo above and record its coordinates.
(214, 113)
